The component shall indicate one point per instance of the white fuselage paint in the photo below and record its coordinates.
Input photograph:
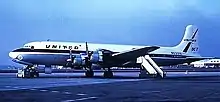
(56, 53)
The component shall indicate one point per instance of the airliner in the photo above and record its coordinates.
(83, 55)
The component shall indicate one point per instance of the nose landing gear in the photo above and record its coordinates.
(28, 72)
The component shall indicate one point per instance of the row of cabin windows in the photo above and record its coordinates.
(165, 55)
(214, 61)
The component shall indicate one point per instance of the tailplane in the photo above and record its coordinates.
(189, 43)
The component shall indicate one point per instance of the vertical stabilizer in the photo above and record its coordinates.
(189, 43)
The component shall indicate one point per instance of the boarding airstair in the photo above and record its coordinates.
(149, 67)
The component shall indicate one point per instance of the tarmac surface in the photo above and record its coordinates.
(124, 87)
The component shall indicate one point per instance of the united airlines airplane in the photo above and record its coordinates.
(84, 55)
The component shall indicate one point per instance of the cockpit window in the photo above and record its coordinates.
(27, 46)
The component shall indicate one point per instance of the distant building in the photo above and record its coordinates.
(207, 63)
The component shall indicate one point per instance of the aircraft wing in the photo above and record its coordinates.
(134, 53)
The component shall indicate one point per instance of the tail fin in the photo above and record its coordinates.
(189, 43)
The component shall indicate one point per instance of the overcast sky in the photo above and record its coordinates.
(137, 22)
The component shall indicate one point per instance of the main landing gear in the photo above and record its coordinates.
(28, 72)
(108, 73)
(89, 73)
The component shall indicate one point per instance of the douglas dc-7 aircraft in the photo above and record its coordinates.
(83, 55)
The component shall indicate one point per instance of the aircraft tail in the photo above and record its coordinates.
(189, 43)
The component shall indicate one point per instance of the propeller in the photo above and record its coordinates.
(70, 60)
(71, 56)
(87, 50)
(87, 58)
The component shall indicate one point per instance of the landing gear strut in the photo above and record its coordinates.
(89, 73)
(108, 73)
(28, 72)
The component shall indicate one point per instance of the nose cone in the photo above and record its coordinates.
(13, 55)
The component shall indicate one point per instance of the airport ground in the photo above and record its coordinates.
(124, 87)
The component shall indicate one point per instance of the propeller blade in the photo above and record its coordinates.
(71, 55)
(87, 49)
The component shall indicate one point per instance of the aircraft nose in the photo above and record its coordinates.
(13, 55)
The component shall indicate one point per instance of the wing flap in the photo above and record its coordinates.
(135, 53)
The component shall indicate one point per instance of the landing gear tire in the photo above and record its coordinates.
(108, 74)
(35, 75)
(89, 73)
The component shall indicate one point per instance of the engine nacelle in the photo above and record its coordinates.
(78, 60)
(96, 57)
